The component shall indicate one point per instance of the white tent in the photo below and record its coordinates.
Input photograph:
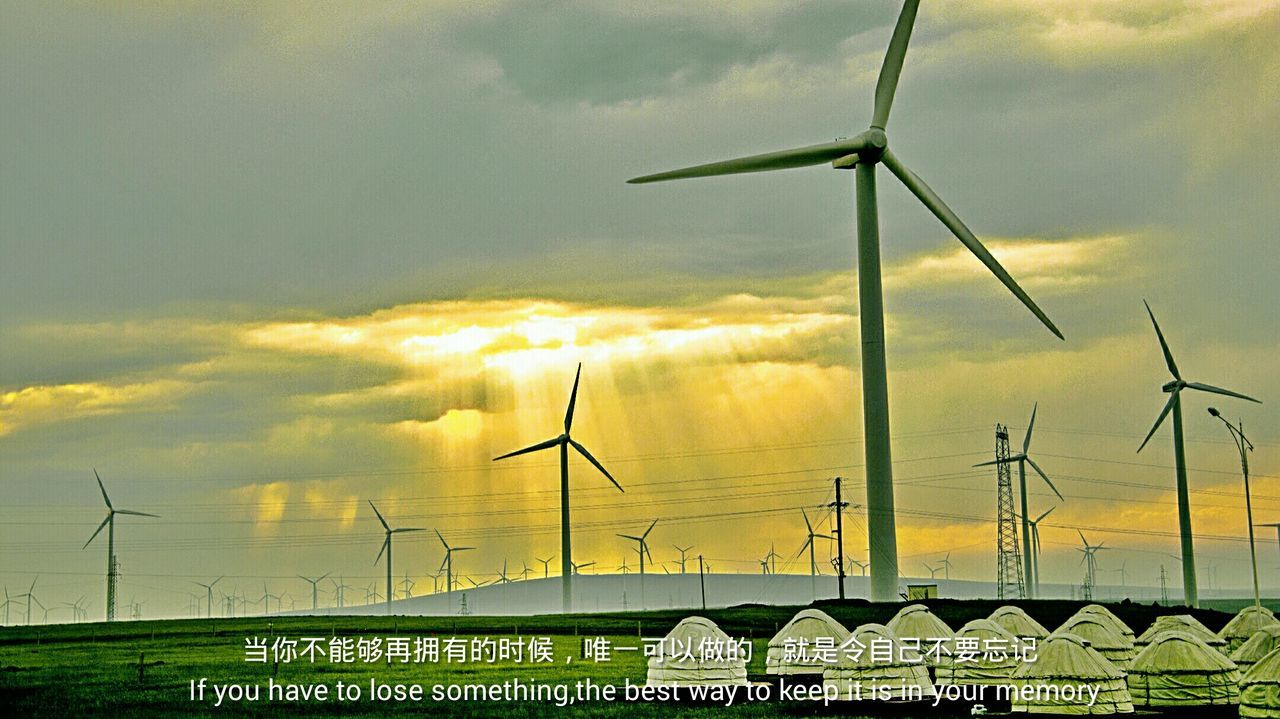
(984, 653)
(1178, 669)
(900, 669)
(1018, 623)
(1243, 625)
(1258, 646)
(690, 656)
(806, 645)
(1180, 623)
(1102, 636)
(1115, 622)
(1260, 689)
(918, 623)
(1065, 663)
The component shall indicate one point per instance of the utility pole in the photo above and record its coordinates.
(702, 582)
(839, 507)
(1164, 587)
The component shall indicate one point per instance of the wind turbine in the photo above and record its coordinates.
(315, 591)
(682, 551)
(407, 585)
(862, 153)
(862, 566)
(946, 565)
(110, 524)
(209, 591)
(546, 565)
(7, 601)
(1190, 592)
(386, 547)
(933, 571)
(808, 544)
(524, 573)
(1090, 562)
(339, 591)
(266, 600)
(564, 441)
(447, 565)
(502, 575)
(1023, 460)
(578, 567)
(30, 596)
(642, 546)
(1035, 550)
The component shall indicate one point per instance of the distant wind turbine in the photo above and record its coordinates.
(564, 441)
(862, 153)
(386, 547)
(1035, 550)
(809, 544)
(1023, 459)
(946, 565)
(546, 565)
(315, 591)
(933, 571)
(110, 524)
(447, 565)
(209, 594)
(682, 551)
(1190, 592)
(1090, 562)
(642, 546)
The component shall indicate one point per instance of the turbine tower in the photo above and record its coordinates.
(642, 546)
(386, 547)
(862, 153)
(315, 592)
(564, 441)
(1190, 592)
(1023, 460)
(110, 524)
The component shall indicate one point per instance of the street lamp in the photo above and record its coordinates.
(1244, 446)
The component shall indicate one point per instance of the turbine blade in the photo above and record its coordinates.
(380, 519)
(383, 548)
(573, 399)
(97, 531)
(780, 160)
(408, 529)
(1047, 512)
(1218, 390)
(891, 70)
(462, 549)
(1035, 537)
(628, 536)
(583, 451)
(136, 514)
(1168, 407)
(940, 210)
(533, 448)
(1164, 346)
(650, 529)
(446, 544)
(1026, 441)
(105, 498)
(994, 461)
(806, 522)
(1045, 477)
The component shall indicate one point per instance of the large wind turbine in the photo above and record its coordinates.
(1023, 460)
(564, 441)
(862, 153)
(110, 524)
(386, 547)
(1190, 592)
(642, 546)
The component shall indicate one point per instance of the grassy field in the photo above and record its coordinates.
(93, 668)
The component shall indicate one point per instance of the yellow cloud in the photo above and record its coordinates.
(1033, 262)
(47, 404)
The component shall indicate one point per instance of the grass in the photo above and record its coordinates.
(93, 669)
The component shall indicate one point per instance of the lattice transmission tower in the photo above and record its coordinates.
(1009, 579)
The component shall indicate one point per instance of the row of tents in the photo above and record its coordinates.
(1176, 662)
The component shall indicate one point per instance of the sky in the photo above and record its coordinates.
(266, 262)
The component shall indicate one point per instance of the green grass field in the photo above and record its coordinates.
(93, 668)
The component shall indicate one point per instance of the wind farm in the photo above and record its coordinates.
(321, 280)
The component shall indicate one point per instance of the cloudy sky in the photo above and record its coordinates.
(262, 262)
